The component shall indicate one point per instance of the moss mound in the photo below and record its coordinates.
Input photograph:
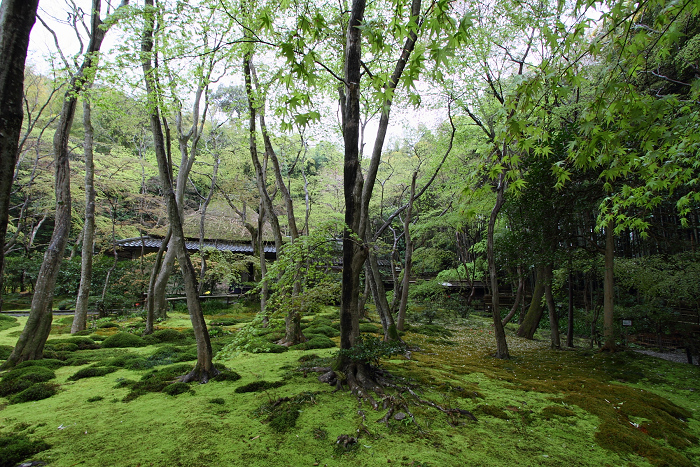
(168, 335)
(494, 411)
(51, 363)
(16, 447)
(20, 379)
(557, 411)
(5, 351)
(7, 322)
(324, 330)
(130, 362)
(224, 322)
(123, 339)
(257, 386)
(35, 392)
(82, 343)
(226, 375)
(177, 388)
(92, 372)
(432, 330)
(155, 381)
(318, 342)
(369, 327)
(283, 413)
(169, 354)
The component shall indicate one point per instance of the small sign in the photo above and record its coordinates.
(627, 322)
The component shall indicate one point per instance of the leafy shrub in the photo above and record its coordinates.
(177, 388)
(258, 386)
(19, 379)
(92, 372)
(371, 349)
(318, 342)
(35, 392)
(15, 448)
(123, 339)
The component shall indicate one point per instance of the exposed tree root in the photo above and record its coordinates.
(199, 374)
(448, 411)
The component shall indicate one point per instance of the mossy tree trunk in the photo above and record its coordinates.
(17, 18)
(608, 286)
(549, 298)
(499, 332)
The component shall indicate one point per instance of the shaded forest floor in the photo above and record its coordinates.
(543, 407)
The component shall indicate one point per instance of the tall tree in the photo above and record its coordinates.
(17, 18)
(204, 369)
(30, 345)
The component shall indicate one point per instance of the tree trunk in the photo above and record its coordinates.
(17, 18)
(374, 278)
(204, 369)
(518, 297)
(553, 322)
(81, 305)
(534, 314)
(30, 345)
(150, 297)
(570, 314)
(608, 308)
(501, 344)
(408, 261)
(160, 304)
(202, 219)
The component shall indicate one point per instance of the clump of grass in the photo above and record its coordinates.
(123, 339)
(15, 448)
(258, 386)
(92, 372)
(20, 379)
(35, 392)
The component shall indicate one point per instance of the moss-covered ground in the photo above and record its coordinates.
(543, 407)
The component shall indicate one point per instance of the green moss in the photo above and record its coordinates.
(92, 372)
(177, 388)
(155, 381)
(123, 339)
(319, 342)
(432, 330)
(81, 342)
(5, 351)
(368, 327)
(226, 375)
(168, 335)
(95, 399)
(15, 448)
(494, 411)
(552, 411)
(217, 401)
(324, 330)
(20, 379)
(35, 392)
(258, 386)
(50, 363)
(7, 322)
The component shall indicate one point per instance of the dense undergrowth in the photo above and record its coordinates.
(452, 404)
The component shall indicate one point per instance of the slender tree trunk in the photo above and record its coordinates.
(518, 297)
(501, 344)
(160, 304)
(408, 261)
(570, 320)
(17, 18)
(150, 297)
(202, 218)
(553, 321)
(372, 275)
(204, 369)
(105, 286)
(534, 314)
(81, 305)
(608, 308)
